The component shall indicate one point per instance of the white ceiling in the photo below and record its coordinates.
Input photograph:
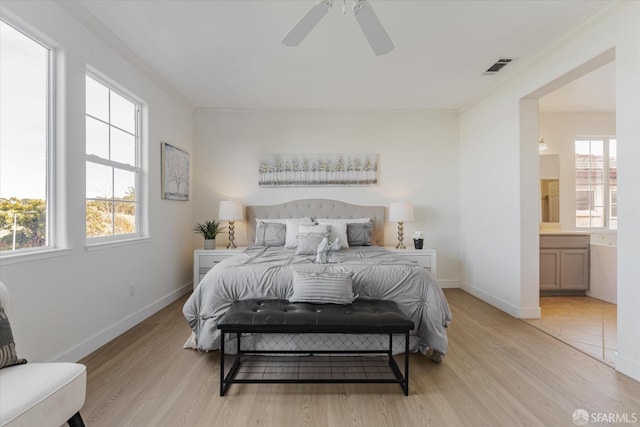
(227, 54)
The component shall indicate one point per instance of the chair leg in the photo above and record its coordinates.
(76, 421)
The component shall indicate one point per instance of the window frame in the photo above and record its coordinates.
(606, 172)
(52, 242)
(138, 170)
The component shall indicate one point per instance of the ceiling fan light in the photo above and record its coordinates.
(372, 28)
(299, 31)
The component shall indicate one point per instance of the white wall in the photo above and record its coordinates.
(559, 131)
(490, 202)
(490, 133)
(68, 305)
(418, 163)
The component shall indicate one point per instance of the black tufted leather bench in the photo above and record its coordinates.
(280, 316)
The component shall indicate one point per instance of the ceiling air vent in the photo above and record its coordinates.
(499, 65)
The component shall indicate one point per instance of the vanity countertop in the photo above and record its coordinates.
(564, 233)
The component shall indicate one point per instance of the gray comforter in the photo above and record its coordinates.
(261, 272)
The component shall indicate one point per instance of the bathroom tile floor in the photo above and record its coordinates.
(586, 323)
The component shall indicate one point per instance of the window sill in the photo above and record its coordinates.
(113, 244)
(14, 258)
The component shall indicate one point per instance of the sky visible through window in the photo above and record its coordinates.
(24, 140)
(23, 115)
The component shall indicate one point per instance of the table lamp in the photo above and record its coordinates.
(401, 212)
(231, 211)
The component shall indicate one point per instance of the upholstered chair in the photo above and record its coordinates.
(37, 394)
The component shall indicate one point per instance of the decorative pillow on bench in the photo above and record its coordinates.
(322, 288)
(8, 355)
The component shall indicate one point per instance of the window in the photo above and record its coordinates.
(112, 163)
(596, 183)
(25, 142)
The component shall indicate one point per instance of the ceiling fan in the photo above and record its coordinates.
(373, 30)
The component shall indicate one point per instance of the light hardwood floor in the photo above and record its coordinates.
(499, 371)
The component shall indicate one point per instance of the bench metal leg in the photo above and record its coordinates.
(225, 381)
(404, 380)
(222, 388)
(75, 421)
(406, 364)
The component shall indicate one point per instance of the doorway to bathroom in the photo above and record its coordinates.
(581, 110)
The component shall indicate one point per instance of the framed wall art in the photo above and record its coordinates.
(175, 173)
(300, 170)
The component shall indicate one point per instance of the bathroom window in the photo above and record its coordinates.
(596, 183)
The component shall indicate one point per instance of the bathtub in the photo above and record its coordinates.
(604, 268)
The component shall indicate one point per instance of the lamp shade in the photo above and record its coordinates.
(400, 211)
(230, 210)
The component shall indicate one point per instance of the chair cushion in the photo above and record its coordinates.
(41, 394)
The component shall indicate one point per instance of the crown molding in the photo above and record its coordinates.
(329, 111)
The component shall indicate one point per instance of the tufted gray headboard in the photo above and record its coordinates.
(317, 208)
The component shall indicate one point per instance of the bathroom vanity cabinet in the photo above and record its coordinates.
(564, 262)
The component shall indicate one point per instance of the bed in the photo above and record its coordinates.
(268, 271)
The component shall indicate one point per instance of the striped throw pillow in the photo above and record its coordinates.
(322, 288)
(8, 355)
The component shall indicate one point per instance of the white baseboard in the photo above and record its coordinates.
(101, 338)
(630, 368)
(507, 307)
(448, 283)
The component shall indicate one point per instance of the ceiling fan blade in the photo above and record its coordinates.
(306, 24)
(373, 30)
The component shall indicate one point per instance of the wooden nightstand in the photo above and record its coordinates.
(423, 257)
(205, 259)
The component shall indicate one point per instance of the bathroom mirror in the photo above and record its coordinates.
(550, 188)
(550, 200)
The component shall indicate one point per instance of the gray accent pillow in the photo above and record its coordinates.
(360, 233)
(308, 243)
(8, 355)
(322, 288)
(271, 234)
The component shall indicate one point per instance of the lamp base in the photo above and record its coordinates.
(400, 245)
(231, 245)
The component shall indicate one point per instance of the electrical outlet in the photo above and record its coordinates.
(132, 289)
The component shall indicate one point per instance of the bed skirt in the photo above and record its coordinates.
(305, 342)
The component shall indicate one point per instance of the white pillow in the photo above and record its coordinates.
(322, 288)
(305, 220)
(292, 231)
(345, 220)
(338, 230)
(319, 228)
